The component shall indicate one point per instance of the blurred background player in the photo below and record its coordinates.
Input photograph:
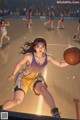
(3, 31)
(29, 18)
(25, 18)
(51, 19)
(77, 35)
(61, 21)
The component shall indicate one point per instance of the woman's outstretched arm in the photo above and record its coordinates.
(57, 62)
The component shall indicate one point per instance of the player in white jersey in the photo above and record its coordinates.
(3, 31)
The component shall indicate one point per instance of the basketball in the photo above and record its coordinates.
(72, 55)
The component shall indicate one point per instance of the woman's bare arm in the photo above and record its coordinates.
(56, 62)
(7, 24)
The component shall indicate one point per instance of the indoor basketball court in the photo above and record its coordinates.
(63, 83)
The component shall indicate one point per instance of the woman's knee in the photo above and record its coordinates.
(18, 101)
(41, 89)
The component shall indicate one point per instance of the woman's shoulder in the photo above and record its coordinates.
(28, 55)
(49, 56)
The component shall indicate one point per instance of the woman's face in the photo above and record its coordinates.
(40, 48)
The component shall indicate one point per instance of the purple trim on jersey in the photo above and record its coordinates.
(35, 67)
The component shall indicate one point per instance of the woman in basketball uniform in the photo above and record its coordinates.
(3, 30)
(35, 60)
(29, 18)
(51, 19)
(61, 21)
(77, 35)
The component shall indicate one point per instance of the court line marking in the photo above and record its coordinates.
(40, 102)
(50, 44)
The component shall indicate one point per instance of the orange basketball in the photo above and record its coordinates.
(72, 55)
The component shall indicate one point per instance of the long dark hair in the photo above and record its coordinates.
(30, 45)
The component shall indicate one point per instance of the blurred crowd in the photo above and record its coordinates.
(39, 7)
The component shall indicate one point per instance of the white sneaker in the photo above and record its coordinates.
(29, 26)
(23, 18)
(58, 27)
(8, 38)
(52, 26)
(74, 39)
(63, 26)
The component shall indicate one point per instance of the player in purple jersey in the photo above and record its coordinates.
(29, 18)
(35, 59)
(51, 19)
(61, 21)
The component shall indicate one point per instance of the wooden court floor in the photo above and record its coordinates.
(63, 83)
